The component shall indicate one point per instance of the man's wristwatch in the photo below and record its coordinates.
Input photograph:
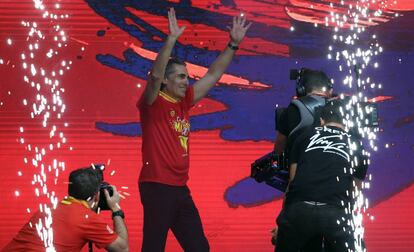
(232, 47)
(119, 213)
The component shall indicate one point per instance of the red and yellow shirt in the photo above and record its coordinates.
(165, 139)
(73, 224)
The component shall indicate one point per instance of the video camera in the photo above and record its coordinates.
(102, 204)
(370, 114)
(272, 168)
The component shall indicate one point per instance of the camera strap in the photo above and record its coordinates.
(311, 102)
(306, 106)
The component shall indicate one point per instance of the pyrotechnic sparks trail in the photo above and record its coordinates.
(42, 69)
(354, 50)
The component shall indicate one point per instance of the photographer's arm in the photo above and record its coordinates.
(358, 184)
(286, 121)
(358, 179)
(280, 143)
(361, 170)
(121, 243)
(292, 171)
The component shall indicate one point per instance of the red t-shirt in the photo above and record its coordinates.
(165, 139)
(73, 223)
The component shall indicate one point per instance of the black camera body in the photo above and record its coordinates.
(271, 169)
(370, 114)
(102, 204)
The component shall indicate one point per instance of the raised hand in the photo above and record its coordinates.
(239, 29)
(175, 30)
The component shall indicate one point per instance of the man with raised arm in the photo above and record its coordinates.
(164, 112)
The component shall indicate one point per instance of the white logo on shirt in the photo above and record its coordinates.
(327, 145)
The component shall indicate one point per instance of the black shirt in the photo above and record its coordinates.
(288, 120)
(325, 166)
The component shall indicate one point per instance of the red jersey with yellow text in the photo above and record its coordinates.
(165, 139)
(73, 224)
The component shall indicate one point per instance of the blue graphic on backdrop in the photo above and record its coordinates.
(391, 169)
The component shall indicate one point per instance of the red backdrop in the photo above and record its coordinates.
(94, 92)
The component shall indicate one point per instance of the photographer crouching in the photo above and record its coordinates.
(318, 200)
(75, 221)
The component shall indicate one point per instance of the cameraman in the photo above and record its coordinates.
(75, 221)
(312, 89)
(323, 178)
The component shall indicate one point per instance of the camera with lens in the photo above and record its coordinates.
(102, 204)
(271, 169)
(370, 114)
